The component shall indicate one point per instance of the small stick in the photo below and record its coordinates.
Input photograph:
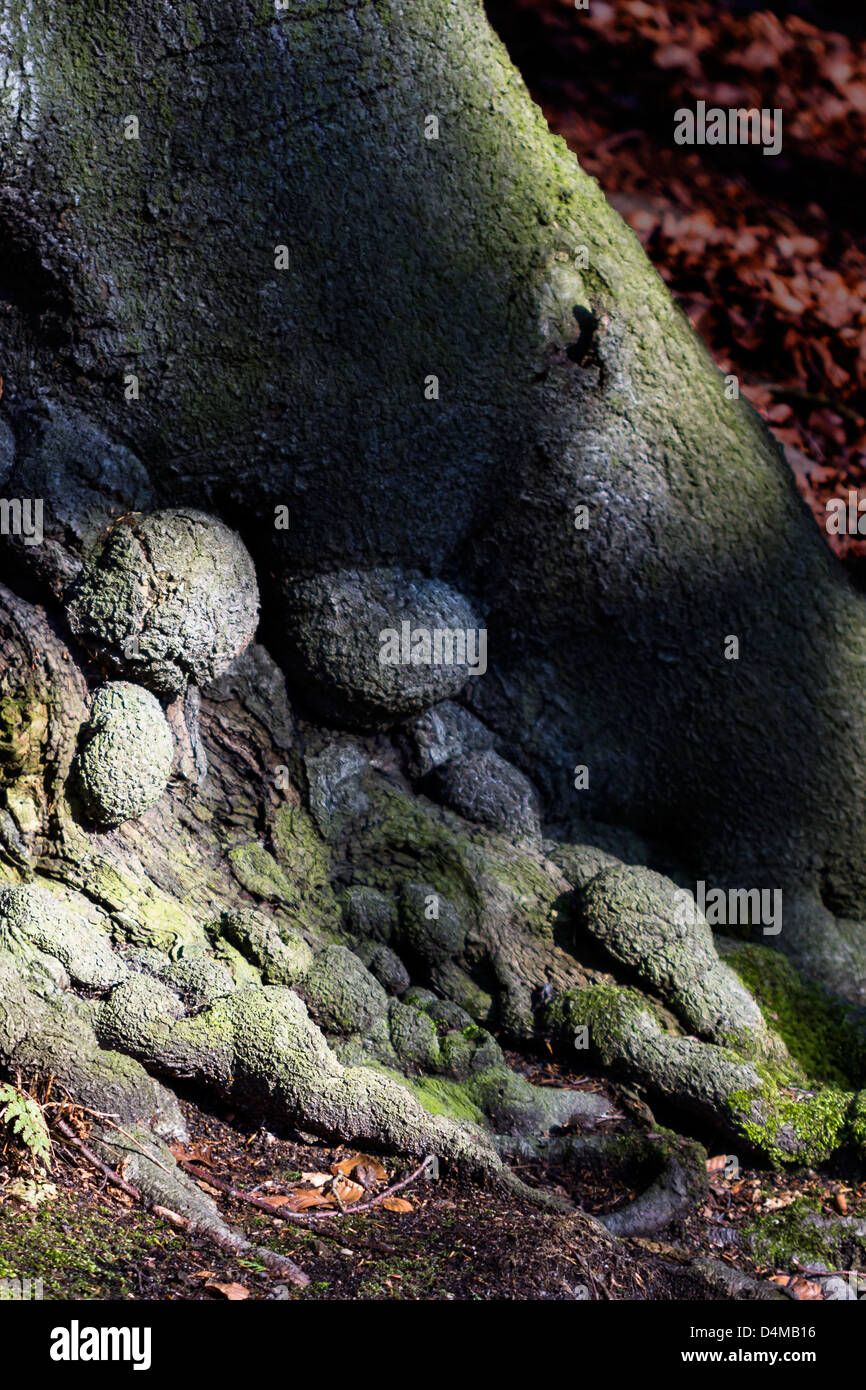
(115, 1178)
(302, 1217)
(221, 1186)
(231, 1244)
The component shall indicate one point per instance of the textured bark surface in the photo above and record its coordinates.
(455, 257)
(270, 909)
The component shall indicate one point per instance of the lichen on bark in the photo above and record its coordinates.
(255, 929)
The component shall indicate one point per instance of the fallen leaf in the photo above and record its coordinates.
(348, 1192)
(301, 1201)
(778, 1203)
(803, 1289)
(193, 1153)
(397, 1204)
(206, 1187)
(233, 1292)
(347, 1166)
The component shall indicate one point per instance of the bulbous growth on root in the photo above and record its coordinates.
(125, 755)
(785, 1122)
(31, 917)
(370, 646)
(651, 927)
(259, 1046)
(169, 599)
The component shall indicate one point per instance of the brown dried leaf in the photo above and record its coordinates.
(348, 1192)
(803, 1289)
(233, 1292)
(193, 1153)
(300, 1201)
(347, 1166)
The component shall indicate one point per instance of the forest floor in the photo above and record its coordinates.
(441, 1239)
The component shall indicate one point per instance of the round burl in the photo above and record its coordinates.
(367, 647)
(484, 787)
(124, 755)
(170, 599)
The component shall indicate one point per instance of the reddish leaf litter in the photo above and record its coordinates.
(766, 253)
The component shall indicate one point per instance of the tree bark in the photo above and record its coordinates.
(159, 168)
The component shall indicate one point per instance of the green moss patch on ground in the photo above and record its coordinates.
(83, 1245)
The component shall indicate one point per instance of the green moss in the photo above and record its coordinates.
(781, 1237)
(401, 828)
(243, 971)
(256, 869)
(607, 1011)
(282, 955)
(857, 1122)
(413, 1278)
(300, 848)
(306, 861)
(23, 724)
(535, 892)
(87, 1254)
(791, 1128)
(145, 915)
(404, 840)
(343, 997)
(440, 1096)
(815, 1028)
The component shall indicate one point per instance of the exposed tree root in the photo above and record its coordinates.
(205, 1224)
(674, 1174)
(274, 968)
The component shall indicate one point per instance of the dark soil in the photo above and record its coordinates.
(459, 1241)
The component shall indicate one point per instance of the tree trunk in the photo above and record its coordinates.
(238, 246)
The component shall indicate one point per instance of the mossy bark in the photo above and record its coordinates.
(459, 257)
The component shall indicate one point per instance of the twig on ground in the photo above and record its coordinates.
(306, 1217)
(227, 1241)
